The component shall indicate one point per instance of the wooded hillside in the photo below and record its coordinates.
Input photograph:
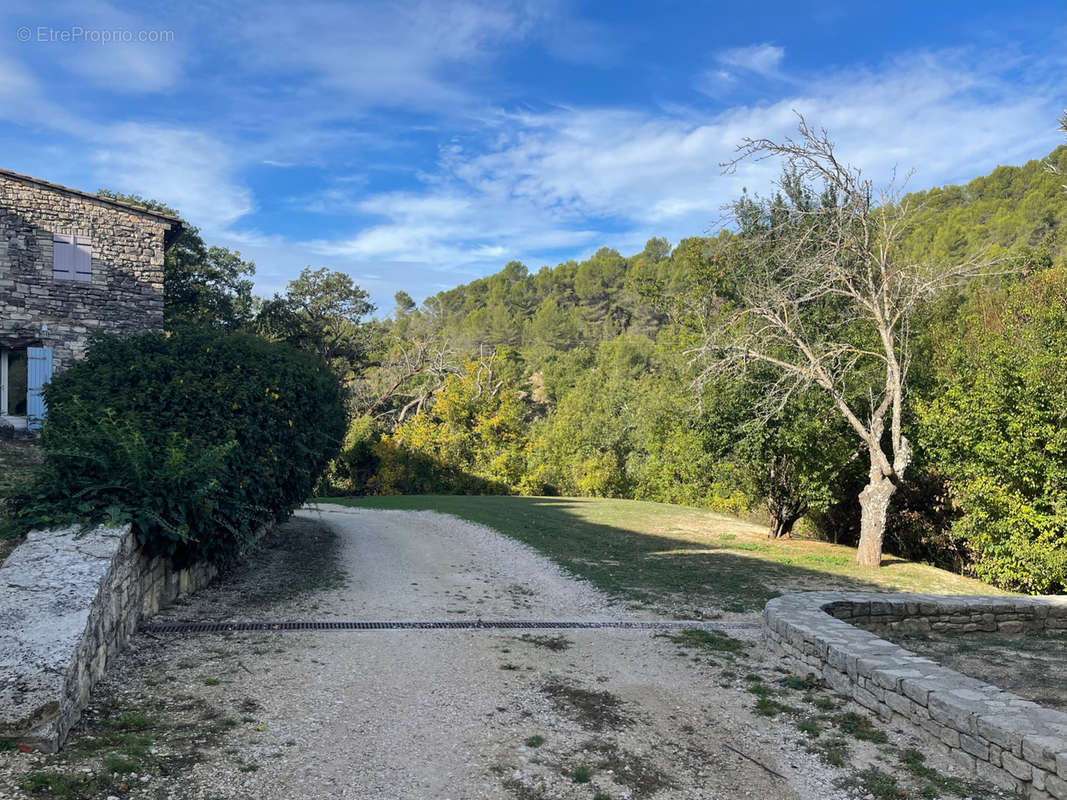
(578, 379)
(582, 379)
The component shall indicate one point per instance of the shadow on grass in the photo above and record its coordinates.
(658, 571)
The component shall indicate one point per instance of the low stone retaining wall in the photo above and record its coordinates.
(991, 734)
(956, 614)
(68, 604)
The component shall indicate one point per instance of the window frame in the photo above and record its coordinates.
(76, 252)
(5, 383)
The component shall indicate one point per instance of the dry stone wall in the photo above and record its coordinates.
(68, 604)
(125, 294)
(991, 734)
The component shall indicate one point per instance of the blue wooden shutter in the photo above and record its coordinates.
(39, 362)
(83, 258)
(63, 256)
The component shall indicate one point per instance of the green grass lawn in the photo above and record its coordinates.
(677, 560)
(18, 460)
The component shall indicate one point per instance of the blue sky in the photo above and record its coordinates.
(419, 145)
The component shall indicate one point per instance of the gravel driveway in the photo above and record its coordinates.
(430, 714)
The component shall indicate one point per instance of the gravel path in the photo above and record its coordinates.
(438, 714)
(422, 565)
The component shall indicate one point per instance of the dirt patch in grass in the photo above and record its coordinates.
(1030, 666)
(554, 643)
(700, 639)
(914, 780)
(845, 737)
(636, 773)
(595, 711)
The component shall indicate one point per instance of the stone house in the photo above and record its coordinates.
(71, 264)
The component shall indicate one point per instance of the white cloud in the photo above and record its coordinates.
(382, 53)
(949, 120)
(737, 66)
(443, 231)
(24, 101)
(763, 59)
(151, 59)
(131, 67)
(184, 168)
(537, 186)
(15, 81)
(101, 45)
(549, 180)
(716, 82)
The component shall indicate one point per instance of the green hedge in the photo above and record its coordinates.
(196, 438)
(996, 426)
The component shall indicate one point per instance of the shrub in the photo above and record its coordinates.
(996, 429)
(197, 439)
(919, 524)
(403, 469)
(356, 464)
(469, 440)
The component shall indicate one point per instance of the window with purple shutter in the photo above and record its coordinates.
(62, 256)
(72, 257)
(83, 258)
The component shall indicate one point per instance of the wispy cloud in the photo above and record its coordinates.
(25, 101)
(763, 59)
(381, 53)
(97, 44)
(413, 145)
(142, 53)
(736, 66)
(186, 168)
(639, 174)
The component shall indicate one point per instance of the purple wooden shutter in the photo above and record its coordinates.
(83, 258)
(63, 256)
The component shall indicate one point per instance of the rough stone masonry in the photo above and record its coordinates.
(69, 600)
(125, 291)
(994, 735)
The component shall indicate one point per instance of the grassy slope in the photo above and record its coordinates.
(685, 561)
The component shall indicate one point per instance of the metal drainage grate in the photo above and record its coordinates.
(397, 625)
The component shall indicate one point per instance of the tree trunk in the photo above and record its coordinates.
(784, 514)
(874, 505)
(782, 525)
(785, 504)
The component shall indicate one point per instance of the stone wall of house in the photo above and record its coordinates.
(126, 291)
(990, 734)
(68, 604)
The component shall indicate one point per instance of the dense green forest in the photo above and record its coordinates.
(582, 379)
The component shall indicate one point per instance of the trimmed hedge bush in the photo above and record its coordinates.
(197, 438)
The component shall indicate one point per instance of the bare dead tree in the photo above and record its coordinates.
(407, 379)
(825, 297)
(1049, 166)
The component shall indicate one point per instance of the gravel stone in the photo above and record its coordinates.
(429, 714)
